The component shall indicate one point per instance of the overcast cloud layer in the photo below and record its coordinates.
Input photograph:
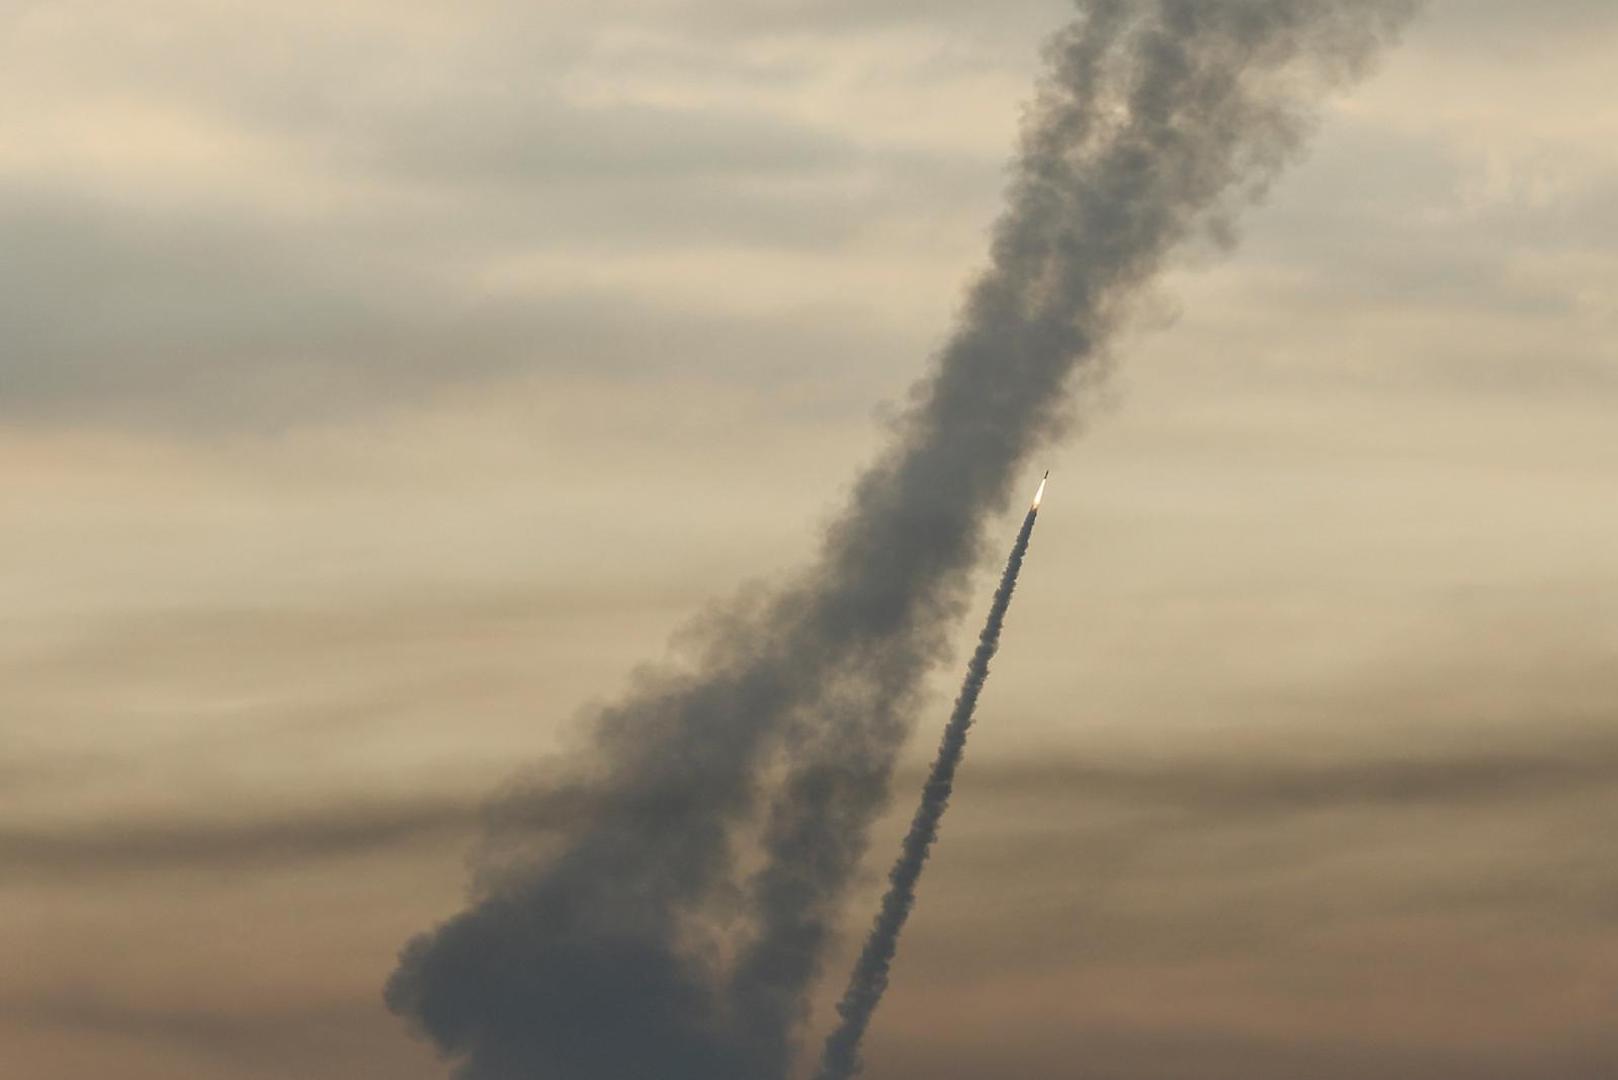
(367, 411)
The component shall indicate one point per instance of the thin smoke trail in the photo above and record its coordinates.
(869, 979)
(634, 945)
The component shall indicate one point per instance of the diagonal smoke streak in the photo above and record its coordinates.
(1157, 119)
(630, 948)
(869, 978)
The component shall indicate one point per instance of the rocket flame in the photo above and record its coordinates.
(1040, 494)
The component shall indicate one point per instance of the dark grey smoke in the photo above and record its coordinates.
(869, 979)
(664, 938)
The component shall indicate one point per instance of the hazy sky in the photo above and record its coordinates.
(380, 383)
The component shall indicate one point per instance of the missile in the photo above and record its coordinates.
(1040, 494)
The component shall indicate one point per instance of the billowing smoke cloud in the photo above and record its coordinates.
(664, 938)
(870, 975)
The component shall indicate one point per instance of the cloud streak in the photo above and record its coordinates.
(1211, 793)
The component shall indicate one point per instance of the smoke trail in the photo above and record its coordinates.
(870, 975)
(634, 947)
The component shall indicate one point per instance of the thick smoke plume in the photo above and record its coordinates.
(672, 933)
(870, 976)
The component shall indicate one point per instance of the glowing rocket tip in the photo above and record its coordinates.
(1040, 494)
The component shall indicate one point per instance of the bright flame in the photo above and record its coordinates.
(1040, 494)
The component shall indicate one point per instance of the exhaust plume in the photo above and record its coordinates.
(869, 979)
(672, 932)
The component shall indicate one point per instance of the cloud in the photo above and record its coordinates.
(1502, 26)
(174, 319)
(1225, 791)
(120, 848)
(1204, 795)
(533, 142)
(296, 228)
(1016, 19)
(1170, 1051)
(311, 1039)
(289, 231)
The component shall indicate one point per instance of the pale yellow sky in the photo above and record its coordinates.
(380, 385)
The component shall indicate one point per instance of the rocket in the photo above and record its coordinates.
(1040, 494)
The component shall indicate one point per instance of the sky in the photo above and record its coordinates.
(383, 384)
